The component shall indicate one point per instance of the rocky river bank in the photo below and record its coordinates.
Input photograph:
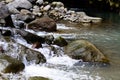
(22, 42)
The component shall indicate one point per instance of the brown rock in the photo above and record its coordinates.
(43, 24)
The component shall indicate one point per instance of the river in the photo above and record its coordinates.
(106, 37)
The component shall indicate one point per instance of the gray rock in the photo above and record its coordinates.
(39, 2)
(18, 4)
(31, 55)
(4, 12)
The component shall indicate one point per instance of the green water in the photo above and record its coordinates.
(106, 36)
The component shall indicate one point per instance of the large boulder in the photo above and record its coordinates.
(82, 49)
(43, 24)
(10, 65)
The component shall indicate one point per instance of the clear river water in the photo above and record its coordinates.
(105, 36)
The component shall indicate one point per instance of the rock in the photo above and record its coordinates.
(18, 4)
(2, 22)
(60, 42)
(32, 55)
(39, 2)
(43, 24)
(57, 4)
(24, 15)
(38, 78)
(6, 33)
(8, 1)
(11, 65)
(4, 12)
(29, 37)
(87, 19)
(1, 49)
(49, 39)
(82, 49)
(46, 8)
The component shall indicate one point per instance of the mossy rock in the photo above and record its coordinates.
(83, 49)
(38, 78)
(14, 65)
(60, 41)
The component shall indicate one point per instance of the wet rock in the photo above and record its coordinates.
(31, 38)
(32, 55)
(6, 32)
(11, 65)
(43, 24)
(38, 78)
(82, 49)
(60, 42)
(1, 49)
(49, 39)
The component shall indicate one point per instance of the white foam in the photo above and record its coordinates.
(63, 60)
(54, 74)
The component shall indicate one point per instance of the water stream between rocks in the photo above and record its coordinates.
(106, 37)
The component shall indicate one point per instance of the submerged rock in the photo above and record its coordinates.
(38, 78)
(43, 24)
(82, 49)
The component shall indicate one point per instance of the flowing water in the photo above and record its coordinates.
(106, 37)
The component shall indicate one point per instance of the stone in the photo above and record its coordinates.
(1, 49)
(4, 12)
(25, 16)
(46, 8)
(60, 41)
(31, 54)
(20, 4)
(8, 1)
(39, 2)
(83, 49)
(43, 24)
(30, 37)
(11, 65)
(57, 4)
(12, 6)
(38, 78)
